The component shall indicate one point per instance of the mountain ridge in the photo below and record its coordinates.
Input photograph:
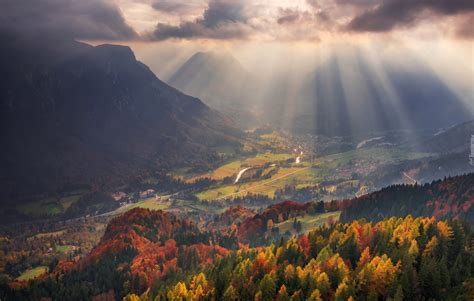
(101, 106)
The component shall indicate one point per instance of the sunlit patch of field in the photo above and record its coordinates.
(308, 222)
(150, 203)
(268, 187)
(262, 159)
(49, 234)
(64, 249)
(186, 206)
(272, 140)
(304, 174)
(232, 168)
(32, 273)
(66, 202)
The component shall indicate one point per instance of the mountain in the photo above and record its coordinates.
(221, 82)
(74, 115)
(450, 198)
(345, 95)
(351, 95)
(454, 139)
(138, 249)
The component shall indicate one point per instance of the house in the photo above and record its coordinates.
(147, 193)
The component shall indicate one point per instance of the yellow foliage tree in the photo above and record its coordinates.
(315, 296)
(131, 297)
(178, 293)
(430, 246)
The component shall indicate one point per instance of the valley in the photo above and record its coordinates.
(263, 172)
(205, 150)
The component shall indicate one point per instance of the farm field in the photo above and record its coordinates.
(340, 166)
(149, 203)
(48, 206)
(64, 249)
(267, 187)
(308, 222)
(32, 273)
(231, 168)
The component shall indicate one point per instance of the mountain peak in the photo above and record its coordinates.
(115, 51)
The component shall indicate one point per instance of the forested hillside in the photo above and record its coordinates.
(153, 255)
(395, 259)
(450, 198)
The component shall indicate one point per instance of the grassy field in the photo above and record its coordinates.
(308, 222)
(32, 273)
(261, 159)
(304, 174)
(47, 234)
(48, 206)
(231, 169)
(272, 140)
(284, 176)
(150, 203)
(185, 205)
(64, 249)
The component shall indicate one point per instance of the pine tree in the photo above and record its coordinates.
(230, 294)
(283, 294)
(315, 296)
(267, 287)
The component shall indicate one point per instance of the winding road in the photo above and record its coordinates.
(414, 182)
(240, 174)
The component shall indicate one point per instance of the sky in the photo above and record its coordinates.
(264, 35)
(243, 20)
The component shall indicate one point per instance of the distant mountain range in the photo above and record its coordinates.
(450, 149)
(73, 115)
(221, 82)
(451, 140)
(343, 96)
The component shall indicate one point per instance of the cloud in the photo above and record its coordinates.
(177, 7)
(84, 19)
(465, 28)
(222, 19)
(288, 15)
(391, 14)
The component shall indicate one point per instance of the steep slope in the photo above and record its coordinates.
(452, 140)
(72, 114)
(449, 198)
(221, 82)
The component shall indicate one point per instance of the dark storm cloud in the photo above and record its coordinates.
(84, 19)
(223, 19)
(391, 14)
(357, 2)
